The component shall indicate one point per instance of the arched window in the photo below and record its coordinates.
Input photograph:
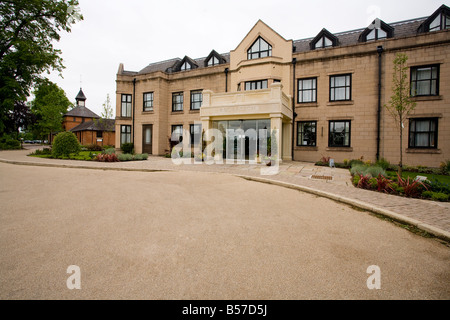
(259, 49)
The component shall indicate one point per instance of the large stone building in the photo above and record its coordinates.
(324, 94)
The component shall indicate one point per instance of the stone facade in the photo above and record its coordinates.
(351, 59)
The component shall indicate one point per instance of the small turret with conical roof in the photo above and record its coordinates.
(80, 98)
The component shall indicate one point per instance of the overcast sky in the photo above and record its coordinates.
(139, 32)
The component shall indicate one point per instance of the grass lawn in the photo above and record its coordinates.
(413, 175)
(83, 155)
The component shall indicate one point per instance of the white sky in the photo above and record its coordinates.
(139, 32)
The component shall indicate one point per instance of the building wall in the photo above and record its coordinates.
(90, 137)
(72, 122)
(361, 61)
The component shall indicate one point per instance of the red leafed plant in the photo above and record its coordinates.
(413, 188)
(383, 184)
(364, 182)
(106, 157)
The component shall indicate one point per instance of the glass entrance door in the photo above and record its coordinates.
(147, 133)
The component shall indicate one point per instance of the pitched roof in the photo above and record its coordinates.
(81, 112)
(80, 96)
(100, 125)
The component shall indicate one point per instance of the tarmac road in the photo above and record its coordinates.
(191, 235)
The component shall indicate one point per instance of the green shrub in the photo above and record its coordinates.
(125, 157)
(437, 186)
(373, 171)
(358, 169)
(109, 151)
(64, 144)
(94, 147)
(438, 196)
(355, 163)
(140, 157)
(45, 151)
(127, 148)
(395, 188)
(427, 194)
(356, 179)
(383, 163)
(445, 167)
(9, 143)
(373, 183)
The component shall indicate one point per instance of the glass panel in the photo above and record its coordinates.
(423, 73)
(264, 84)
(447, 22)
(264, 54)
(423, 88)
(264, 46)
(307, 84)
(422, 126)
(340, 93)
(433, 88)
(307, 96)
(328, 42)
(434, 72)
(382, 34)
(148, 135)
(422, 139)
(319, 44)
(371, 35)
(436, 24)
(339, 81)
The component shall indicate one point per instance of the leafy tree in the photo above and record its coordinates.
(401, 103)
(20, 117)
(27, 31)
(49, 106)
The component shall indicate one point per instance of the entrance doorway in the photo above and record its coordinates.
(244, 138)
(147, 137)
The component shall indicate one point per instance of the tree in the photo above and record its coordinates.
(49, 106)
(107, 114)
(20, 117)
(27, 31)
(401, 104)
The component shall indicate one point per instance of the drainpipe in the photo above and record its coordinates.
(294, 115)
(380, 52)
(134, 100)
(226, 79)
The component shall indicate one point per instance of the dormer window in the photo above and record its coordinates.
(376, 34)
(259, 49)
(81, 103)
(324, 42)
(185, 66)
(376, 31)
(441, 22)
(324, 39)
(213, 61)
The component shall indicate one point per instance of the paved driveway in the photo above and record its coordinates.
(186, 235)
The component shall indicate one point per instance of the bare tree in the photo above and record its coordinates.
(401, 104)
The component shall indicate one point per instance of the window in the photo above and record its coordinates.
(324, 42)
(196, 133)
(441, 22)
(185, 66)
(376, 34)
(125, 134)
(256, 85)
(306, 133)
(307, 90)
(177, 101)
(339, 134)
(341, 88)
(99, 134)
(177, 133)
(213, 61)
(148, 101)
(126, 106)
(259, 49)
(425, 81)
(423, 133)
(196, 99)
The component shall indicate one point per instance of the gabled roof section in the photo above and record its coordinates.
(99, 125)
(80, 96)
(178, 65)
(425, 26)
(215, 54)
(326, 33)
(81, 112)
(377, 24)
